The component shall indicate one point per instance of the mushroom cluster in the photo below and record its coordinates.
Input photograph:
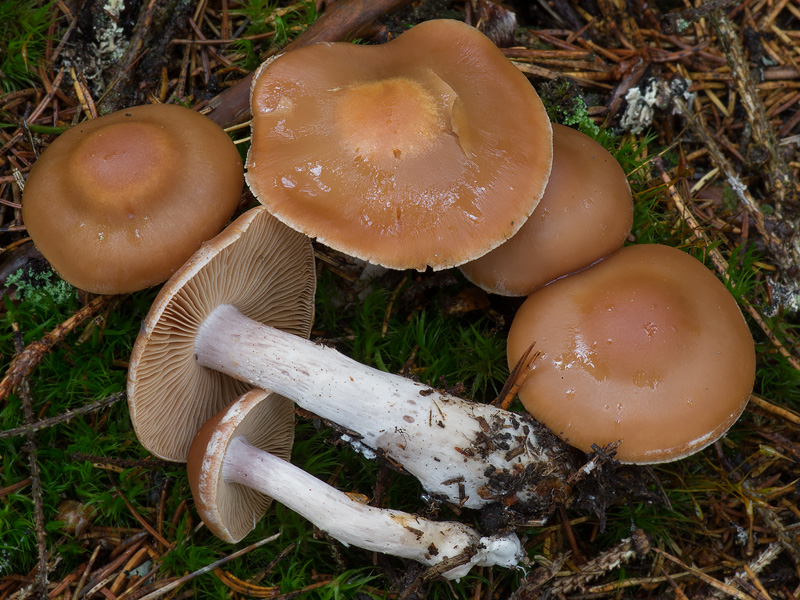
(215, 327)
(393, 158)
(431, 151)
(230, 318)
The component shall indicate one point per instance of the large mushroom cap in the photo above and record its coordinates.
(266, 420)
(429, 150)
(118, 203)
(585, 214)
(646, 347)
(258, 265)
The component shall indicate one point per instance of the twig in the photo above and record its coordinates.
(626, 550)
(719, 262)
(149, 528)
(778, 411)
(715, 583)
(783, 248)
(517, 377)
(339, 21)
(532, 586)
(435, 571)
(106, 573)
(36, 481)
(785, 539)
(779, 182)
(63, 417)
(26, 361)
(186, 578)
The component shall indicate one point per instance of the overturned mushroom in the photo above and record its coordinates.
(468, 453)
(118, 203)
(646, 347)
(234, 473)
(267, 274)
(429, 150)
(585, 214)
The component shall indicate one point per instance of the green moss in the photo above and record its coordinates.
(23, 34)
(565, 105)
(265, 16)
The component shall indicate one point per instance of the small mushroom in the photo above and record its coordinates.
(645, 347)
(585, 214)
(234, 473)
(266, 420)
(199, 330)
(429, 150)
(118, 203)
(267, 274)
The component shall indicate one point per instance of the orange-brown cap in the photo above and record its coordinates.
(429, 150)
(259, 266)
(585, 214)
(229, 510)
(117, 203)
(646, 347)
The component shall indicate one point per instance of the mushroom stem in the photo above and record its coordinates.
(468, 453)
(375, 529)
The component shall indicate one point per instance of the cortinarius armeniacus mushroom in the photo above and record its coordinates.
(585, 214)
(429, 150)
(468, 453)
(234, 473)
(118, 203)
(266, 420)
(645, 347)
(267, 274)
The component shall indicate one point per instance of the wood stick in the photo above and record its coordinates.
(344, 19)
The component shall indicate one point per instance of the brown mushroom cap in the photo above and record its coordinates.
(258, 265)
(431, 149)
(646, 347)
(585, 214)
(230, 510)
(117, 203)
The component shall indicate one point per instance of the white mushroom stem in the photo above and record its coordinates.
(468, 453)
(375, 529)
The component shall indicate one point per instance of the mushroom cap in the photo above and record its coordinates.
(231, 510)
(585, 214)
(117, 203)
(429, 150)
(258, 265)
(647, 346)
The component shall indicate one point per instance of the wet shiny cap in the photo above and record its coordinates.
(118, 203)
(646, 347)
(429, 150)
(585, 214)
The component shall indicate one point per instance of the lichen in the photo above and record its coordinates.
(37, 286)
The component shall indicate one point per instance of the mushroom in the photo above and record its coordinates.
(117, 203)
(585, 214)
(646, 347)
(429, 150)
(234, 473)
(265, 420)
(257, 264)
(465, 452)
